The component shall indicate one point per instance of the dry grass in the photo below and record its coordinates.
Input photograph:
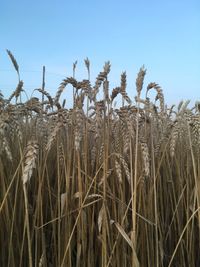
(96, 185)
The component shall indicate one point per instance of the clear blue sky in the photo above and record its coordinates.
(162, 35)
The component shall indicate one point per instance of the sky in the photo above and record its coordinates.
(164, 36)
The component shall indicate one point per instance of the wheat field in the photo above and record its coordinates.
(98, 184)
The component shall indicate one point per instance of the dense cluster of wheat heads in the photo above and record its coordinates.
(97, 185)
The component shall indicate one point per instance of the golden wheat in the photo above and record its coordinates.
(70, 191)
